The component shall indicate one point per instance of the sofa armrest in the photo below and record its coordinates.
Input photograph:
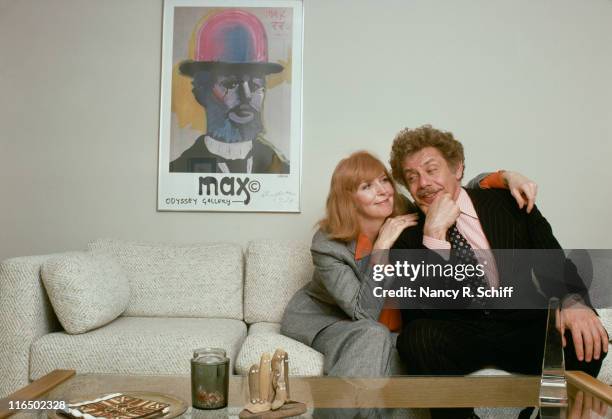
(303, 360)
(25, 315)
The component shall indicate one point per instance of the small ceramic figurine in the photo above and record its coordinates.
(269, 389)
(260, 386)
(280, 378)
(254, 383)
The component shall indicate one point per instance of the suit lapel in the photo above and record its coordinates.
(494, 218)
(361, 265)
(351, 246)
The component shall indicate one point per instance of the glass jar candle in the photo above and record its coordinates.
(209, 378)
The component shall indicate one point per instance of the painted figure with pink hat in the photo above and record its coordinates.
(229, 80)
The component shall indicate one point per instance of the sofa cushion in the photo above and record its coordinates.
(199, 280)
(303, 360)
(267, 331)
(264, 327)
(605, 374)
(275, 270)
(86, 290)
(490, 372)
(136, 345)
(605, 314)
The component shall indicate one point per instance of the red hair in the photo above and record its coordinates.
(341, 222)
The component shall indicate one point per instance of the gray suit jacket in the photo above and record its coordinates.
(341, 289)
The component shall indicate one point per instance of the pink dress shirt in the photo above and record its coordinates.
(469, 226)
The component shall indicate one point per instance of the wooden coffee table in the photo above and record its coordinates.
(332, 392)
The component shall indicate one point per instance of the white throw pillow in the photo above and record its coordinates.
(86, 290)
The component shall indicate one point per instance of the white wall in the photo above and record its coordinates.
(524, 84)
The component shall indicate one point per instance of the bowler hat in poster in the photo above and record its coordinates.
(231, 40)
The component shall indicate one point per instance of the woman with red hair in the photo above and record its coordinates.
(335, 313)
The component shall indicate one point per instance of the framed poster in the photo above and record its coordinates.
(231, 106)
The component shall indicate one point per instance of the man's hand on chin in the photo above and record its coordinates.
(588, 334)
(441, 214)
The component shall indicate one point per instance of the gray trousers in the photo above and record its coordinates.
(360, 348)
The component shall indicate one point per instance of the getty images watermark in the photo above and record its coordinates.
(458, 272)
(500, 279)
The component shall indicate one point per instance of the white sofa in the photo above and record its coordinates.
(181, 298)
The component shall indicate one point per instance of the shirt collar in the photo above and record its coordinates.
(465, 204)
(229, 151)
